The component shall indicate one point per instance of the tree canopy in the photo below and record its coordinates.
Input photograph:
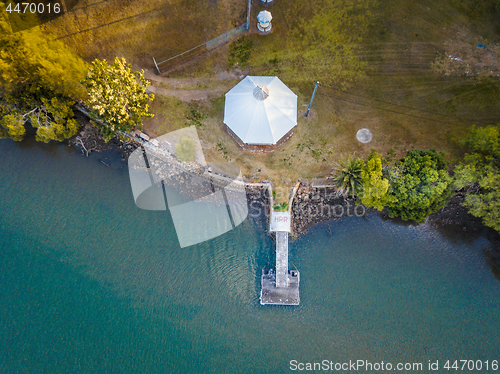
(374, 185)
(39, 82)
(117, 96)
(11, 124)
(481, 169)
(34, 63)
(419, 185)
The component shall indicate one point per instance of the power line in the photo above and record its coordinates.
(110, 23)
(385, 102)
(88, 6)
(398, 105)
(392, 111)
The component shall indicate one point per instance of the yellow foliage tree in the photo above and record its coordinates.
(39, 82)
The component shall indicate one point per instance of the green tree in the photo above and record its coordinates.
(39, 77)
(348, 175)
(117, 96)
(374, 185)
(185, 150)
(33, 62)
(480, 174)
(419, 185)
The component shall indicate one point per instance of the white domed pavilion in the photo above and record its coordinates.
(260, 113)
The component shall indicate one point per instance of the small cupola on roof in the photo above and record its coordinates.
(261, 93)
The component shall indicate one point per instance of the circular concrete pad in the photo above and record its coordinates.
(364, 135)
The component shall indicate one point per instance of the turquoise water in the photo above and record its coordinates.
(91, 284)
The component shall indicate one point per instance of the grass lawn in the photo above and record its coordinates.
(400, 94)
(410, 71)
(142, 29)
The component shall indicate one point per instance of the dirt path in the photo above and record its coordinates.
(176, 82)
(185, 95)
(180, 85)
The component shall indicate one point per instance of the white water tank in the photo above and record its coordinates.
(264, 25)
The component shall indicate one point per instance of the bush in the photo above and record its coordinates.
(280, 207)
(374, 185)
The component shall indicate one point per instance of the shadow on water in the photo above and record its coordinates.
(493, 260)
(471, 232)
(384, 215)
(492, 252)
(52, 149)
(457, 226)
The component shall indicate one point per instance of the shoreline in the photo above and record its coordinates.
(316, 205)
(310, 205)
(89, 140)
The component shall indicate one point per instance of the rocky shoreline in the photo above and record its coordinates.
(315, 205)
(311, 205)
(90, 140)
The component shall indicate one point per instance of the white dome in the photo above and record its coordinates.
(260, 110)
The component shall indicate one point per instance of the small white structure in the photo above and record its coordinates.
(264, 25)
(260, 111)
(266, 2)
(280, 221)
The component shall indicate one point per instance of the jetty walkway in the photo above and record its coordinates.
(280, 286)
(281, 259)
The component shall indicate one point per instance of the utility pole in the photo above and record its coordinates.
(486, 47)
(312, 98)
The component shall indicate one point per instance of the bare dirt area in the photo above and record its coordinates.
(193, 89)
(469, 55)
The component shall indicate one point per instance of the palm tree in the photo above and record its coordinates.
(347, 175)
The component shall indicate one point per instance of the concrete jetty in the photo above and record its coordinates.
(281, 259)
(280, 286)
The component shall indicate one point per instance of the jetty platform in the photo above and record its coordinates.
(280, 286)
